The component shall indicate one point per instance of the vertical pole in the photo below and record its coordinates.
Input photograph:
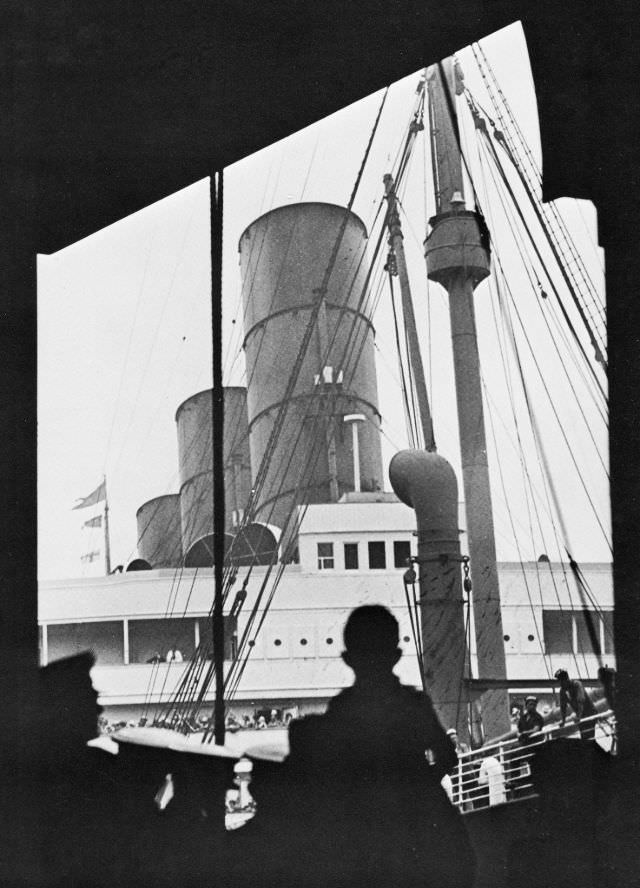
(457, 254)
(396, 242)
(236, 466)
(107, 541)
(355, 419)
(477, 495)
(125, 641)
(356, 457)
(329, 398)
(217, 414)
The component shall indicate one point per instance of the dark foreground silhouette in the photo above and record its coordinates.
(77, 799)
(97, 825)
(359, 803)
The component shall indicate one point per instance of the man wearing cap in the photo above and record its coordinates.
(461, 748)
(530, 722)
(361, 801)
(572, 692)
(461, 774)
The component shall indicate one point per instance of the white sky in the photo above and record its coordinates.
(125, 329)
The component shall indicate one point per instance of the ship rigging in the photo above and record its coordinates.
(453, 223)
(494, 188)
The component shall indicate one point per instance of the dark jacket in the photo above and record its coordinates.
(528, 724)
(367, 807)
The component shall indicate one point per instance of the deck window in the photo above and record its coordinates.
(151, 640)
(401, 553)
(607, 632)
(205, 637)
(325, 556)
(377, 556)
(351, 556)
(566, 632)
(104, 638)
(583, 639)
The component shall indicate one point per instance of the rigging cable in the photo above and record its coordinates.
(410, 418)
(516, 205)
(552, 490)
(576, 265)
(577, 400)
(452, 112)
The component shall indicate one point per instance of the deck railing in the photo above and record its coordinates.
(500, 773)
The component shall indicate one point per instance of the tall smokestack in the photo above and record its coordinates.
(284, 258)
(159, 531)
(195, 458)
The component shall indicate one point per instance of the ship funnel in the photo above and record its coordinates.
(160, 531)
(305, 264)
(194, 420)
(426, 482)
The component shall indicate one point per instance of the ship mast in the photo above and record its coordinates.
(457, 256)
(396, 242)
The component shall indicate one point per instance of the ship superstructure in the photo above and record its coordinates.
(305, 506)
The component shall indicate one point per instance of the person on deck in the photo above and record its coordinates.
(491, 779)
(530, 722)
(174, 656)
(607, 678)
(361, 803)
(461, 774)
(572, 692)
(460, 747)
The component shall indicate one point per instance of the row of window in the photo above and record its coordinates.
(147, 640)
(134, 641)
(567, 632)
(376, 555)
(116, 642)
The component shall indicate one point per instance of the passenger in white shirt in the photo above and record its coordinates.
(174, 656)
(491, 775)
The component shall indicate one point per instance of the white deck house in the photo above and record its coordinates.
(350, 553)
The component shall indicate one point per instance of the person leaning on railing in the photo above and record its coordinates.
(530, 722)
(572, 693)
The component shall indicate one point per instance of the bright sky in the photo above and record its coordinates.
(125, 330)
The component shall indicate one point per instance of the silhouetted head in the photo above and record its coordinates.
(562, 675)
(531, 702)
(371, 641)
(69, 708)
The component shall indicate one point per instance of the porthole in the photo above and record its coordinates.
(251, 644)
(329, 640)
(303, 641)
(507, 638)
(530, 637)
(277, 642)
(406, 639)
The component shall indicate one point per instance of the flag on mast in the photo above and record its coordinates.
(96, 521)
(99, 555)
(97, 496)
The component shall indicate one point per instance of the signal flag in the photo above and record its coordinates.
(94, 522)
(97, 496)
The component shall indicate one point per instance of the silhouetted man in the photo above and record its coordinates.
(572, 692)
(607, 678)
(530, 722)
(369, 808)
(80, 839)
